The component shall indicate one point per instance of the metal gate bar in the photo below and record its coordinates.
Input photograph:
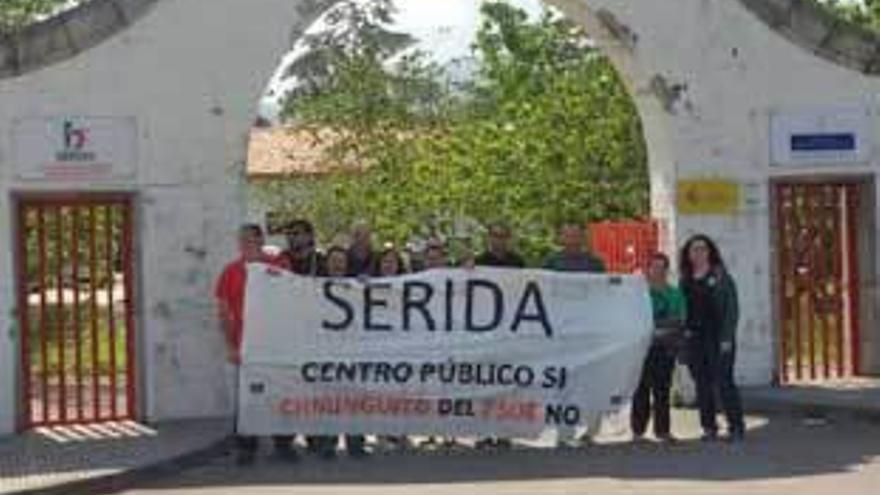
(852, 208)
(817, 284)
(78, 339)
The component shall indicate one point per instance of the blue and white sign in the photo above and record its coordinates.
(820, 137)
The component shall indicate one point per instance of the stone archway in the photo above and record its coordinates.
(707, 77)
(805, 24)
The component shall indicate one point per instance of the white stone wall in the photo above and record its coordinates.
(191, 71)
(736, 71)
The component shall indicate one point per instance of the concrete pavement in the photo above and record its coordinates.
(98, 458)
(783, 455)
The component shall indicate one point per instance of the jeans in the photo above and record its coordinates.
(654, 384)
(713, 373)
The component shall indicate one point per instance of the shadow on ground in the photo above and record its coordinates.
(779, 446)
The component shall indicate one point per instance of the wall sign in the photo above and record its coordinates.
(820, 137)
(75, 148)
(708, 197)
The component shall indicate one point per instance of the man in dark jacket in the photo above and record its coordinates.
(575, 257)
(360, 254)
(498, 254)
(301, 256)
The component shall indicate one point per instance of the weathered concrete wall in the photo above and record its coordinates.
(730, 74)
(706, 75)
(190, 72)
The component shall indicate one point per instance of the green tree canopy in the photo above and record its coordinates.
(865, 13)
(544, 133)
(17, 13)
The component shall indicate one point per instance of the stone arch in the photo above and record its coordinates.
(67, 34)
(818, 31)
(810, 27)
(804, 23)
(702, 94)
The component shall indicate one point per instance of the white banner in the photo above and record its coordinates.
(446, 352)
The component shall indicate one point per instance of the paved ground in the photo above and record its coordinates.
(860, 396)
(66, 458)
(784, 454)
(784, 450)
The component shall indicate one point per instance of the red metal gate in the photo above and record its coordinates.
(75, 266)
(625, 246)
(818, 280)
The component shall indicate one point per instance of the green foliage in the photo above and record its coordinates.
(864, 13)
(546, 133)
(15, 14)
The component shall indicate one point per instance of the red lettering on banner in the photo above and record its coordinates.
(502, 410)
(354, 405)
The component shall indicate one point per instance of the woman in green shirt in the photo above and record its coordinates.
(669, 315)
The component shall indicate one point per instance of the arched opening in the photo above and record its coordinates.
(702, 95)
(437, 175)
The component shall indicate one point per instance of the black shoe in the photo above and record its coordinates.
(484, 444)
(709, 436)
(735, 436)
(667, 439)
(503, 444)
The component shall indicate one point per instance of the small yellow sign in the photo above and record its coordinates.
(708, 197)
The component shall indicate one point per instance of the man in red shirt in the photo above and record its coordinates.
(230, 293)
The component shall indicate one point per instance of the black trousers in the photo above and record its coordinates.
(713, 373)
(250, 443)
(322, 444)
(652, 394)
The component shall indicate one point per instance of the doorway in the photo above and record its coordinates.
(818, 288)
(75, 268)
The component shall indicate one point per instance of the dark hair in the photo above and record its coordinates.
(436, 247)
(499, 225)
(684, 261)
(299, 223)
(250, 228)
(377, 264)
(658, 256)
(336, 249)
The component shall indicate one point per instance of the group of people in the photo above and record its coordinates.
(695, 321)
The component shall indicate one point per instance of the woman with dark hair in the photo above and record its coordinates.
(712, 318)
(336, 266)
(389, 263)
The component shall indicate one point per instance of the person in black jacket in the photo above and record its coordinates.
(712, 318)
(336, 266)
(499, 254)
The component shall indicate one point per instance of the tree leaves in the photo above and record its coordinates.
(865, 13)
(15, 14)
(545, 133)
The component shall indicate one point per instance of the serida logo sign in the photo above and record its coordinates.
(75, 141)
